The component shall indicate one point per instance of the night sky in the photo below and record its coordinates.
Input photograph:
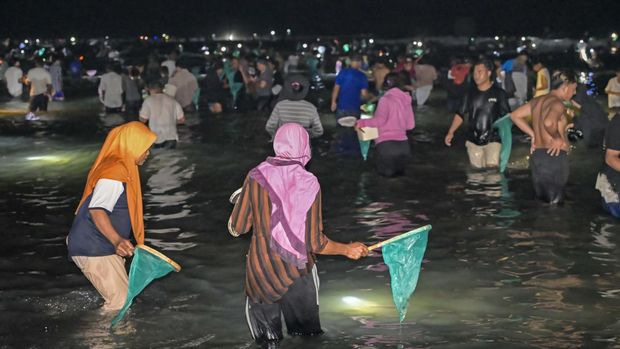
(312, 17)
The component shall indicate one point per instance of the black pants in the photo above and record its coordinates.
(38, 102)
(392, 157)
(299, 306)
(171, 144)
(109, 110)
(549, 175)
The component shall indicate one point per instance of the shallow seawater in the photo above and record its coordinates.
(500, 271)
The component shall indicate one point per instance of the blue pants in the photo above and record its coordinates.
(347, 142)
(612, 207)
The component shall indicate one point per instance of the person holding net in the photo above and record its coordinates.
(109, 211)
(281, 201)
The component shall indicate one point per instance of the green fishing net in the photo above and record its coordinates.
(404, 259)
(146, 266)
(504, 127)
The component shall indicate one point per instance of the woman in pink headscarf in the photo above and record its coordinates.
(281, 201)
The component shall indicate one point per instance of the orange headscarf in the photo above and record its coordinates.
(117, 161)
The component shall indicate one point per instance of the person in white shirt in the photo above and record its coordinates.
(170, 63)
(40, 82)
(186, 84)
(111, 90)
(613, 93)
(13, 77)
(162, 113)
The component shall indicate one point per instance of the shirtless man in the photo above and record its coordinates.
(549, 151)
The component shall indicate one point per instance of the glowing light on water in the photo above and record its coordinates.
(352, 300)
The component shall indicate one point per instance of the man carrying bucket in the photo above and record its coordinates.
(282, 202)
(110, 209)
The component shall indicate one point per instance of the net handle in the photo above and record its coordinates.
(399, 237)
(174, 264)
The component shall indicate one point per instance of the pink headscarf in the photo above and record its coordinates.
(292, 190)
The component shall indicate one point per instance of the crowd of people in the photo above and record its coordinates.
(281, 276)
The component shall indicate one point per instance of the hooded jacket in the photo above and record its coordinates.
(394, 116)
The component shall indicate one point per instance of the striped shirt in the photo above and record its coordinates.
(299, 112)
(267, 275)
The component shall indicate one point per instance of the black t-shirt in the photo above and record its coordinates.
(612, 141)
(481, 109)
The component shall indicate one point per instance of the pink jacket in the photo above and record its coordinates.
(393, 117)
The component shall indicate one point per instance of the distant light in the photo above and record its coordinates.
(346, 48)
(223, 49)
(318, 39)
(207, 53)
(106, 37)
(239, 45)
(614, 50)
(415, 43)
(230, 37)
(496, 37)
(213, 36)
(420, 44)
(318, 55)
(72, 39)
(273, 32)
(26, 41)
(321, 49)
(523, 38)
(614, 36)
(352, 300)
(37, 41)
(371, 41)
(288, 31)
(581, 41)
(533, 45)
(304, 45)
(22, 51)
(81, 58)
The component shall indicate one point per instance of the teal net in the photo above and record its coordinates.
(369, 109)
(146, 266)
(504, 127)
(404, 259)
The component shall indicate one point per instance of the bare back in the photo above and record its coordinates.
(548, 121)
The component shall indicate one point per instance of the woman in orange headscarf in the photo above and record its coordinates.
(110, 210)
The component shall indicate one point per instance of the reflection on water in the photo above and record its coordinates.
(500, 269)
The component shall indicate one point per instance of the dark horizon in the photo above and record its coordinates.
(313, 17)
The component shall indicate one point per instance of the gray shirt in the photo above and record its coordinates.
(162, 112)
(266, 76)
(301, 112)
